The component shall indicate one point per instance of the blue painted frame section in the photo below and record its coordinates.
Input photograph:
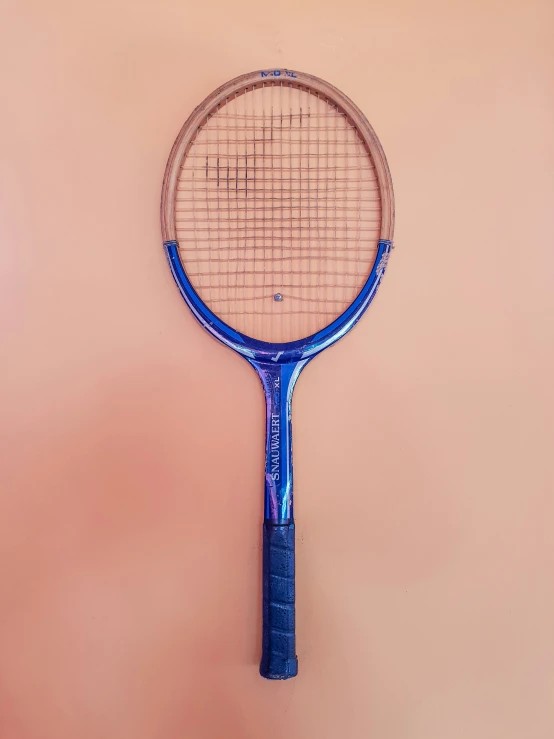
(278, 381)
(278, 366)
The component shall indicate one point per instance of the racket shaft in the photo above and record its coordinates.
(278, 381)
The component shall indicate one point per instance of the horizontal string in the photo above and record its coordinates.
(276, 237)
(252, 141)
(199, 186)
(219, 225)
(302, 298)
(288, 155)
(199, 207)
(257, 312)
(241, 116)
(317, 219)
(233, 166)
(285, 259)
(275, 199)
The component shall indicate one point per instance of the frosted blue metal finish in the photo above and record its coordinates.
(278, 382)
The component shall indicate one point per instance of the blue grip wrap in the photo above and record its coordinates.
(279, 661)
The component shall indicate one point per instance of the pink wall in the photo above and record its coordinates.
(424, 439)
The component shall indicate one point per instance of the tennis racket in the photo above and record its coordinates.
(277, 219)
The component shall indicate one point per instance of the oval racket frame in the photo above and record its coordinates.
(278, 364)
(249, 347)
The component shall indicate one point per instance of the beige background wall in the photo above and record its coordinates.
(132, 442)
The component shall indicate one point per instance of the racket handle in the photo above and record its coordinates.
(279, 660)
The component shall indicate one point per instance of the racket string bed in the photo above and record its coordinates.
(277, 211)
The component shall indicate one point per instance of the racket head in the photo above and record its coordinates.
(198, 173)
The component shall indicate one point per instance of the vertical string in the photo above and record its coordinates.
(218, 271)
(325, 167)
(254, 207)
(272, 189)
(309, 157)
(301, 209)
(264, 185)
(207, 146)
(227, 172)
(197, 246)
(235, 232)
(244, 198)
(282, 210)
(318, 160)
(336, 142)
(346, 193)
(292, 237)
(359, 153)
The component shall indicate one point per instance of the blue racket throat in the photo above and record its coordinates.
(278, 367)
(278, 381)
(291, 352)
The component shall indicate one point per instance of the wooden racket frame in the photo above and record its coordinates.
(300, 80)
